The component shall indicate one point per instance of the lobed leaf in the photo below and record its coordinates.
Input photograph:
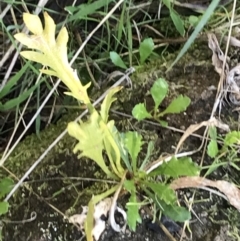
(33, 23)
(133, 216)
(140, 112)
(90, 138)
(177, 167)
(162, 191)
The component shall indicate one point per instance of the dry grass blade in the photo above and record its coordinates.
(192, 128)
(229, 189)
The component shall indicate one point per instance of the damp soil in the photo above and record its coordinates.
(62, 184)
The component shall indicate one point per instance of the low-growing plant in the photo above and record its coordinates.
(158, 92)
(225, 154)
(98, 135)
(145, 50)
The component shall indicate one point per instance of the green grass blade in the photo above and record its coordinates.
(195, 33)
(7, 88)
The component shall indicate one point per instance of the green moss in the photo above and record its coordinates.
(31, 148)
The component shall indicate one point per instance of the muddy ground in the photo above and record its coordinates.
(55, 186)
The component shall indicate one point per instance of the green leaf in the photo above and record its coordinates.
(145, 49)
(13, 80)
(213, 132)
(177, 167)
(159, 91)
(163, 192)
(133, 216)
(129, 185)
(204, 19)
(90, 137)
(174, 212)
(231, 138)
(163, 123)
(82, 10)
(117, 60)
(106, 104)
(119, 139)
(193, 20)
(18, 100)
(133, 143)
(212, 149)
(178, 22)
(168, 4)
(177, 105)
(149, 153)
(140, 112)
(6, 185)
(4, 207)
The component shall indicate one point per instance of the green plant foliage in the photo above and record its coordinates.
(178, 22)
(90, 138)
(83, 10)
(13, 81)
(133, 216)
(119, 139)
(140, 112)
(178, 105)
(162, 191)
(6, 185)
(212, 149)
(4, 207)
(117, 60)
(145, 49)
(133, 143)
(200, 25)
(149, 153)
(231, 138)
(108, 100)
(159, 91)
(98, 136)
(10, 104)
(177, 167)
(193, 20)
(174, 212)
